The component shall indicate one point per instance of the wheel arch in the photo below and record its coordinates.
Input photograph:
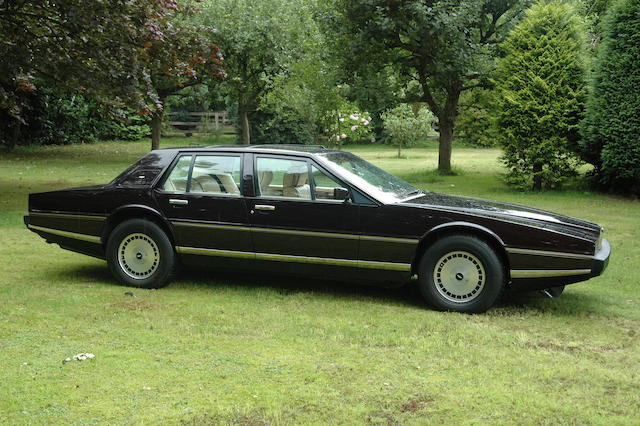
(457, 228)
(135, 211)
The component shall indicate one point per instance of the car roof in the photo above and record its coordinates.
(266, 148)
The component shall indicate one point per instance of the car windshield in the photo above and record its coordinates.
(373, 180)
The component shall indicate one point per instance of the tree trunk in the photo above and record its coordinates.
(15, 136)
(156, 121)
(445, 141)
(156, 125)
(244, 121)
(537, 176)
(446, 122)
(399, 151)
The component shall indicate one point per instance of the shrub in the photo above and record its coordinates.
(403, 127)
(611, 128)
(474, 124)
(540, 96)
(58, 118)
(352, 126)
(129, 126)
(284, 128)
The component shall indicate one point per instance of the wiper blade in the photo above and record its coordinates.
(416, 192)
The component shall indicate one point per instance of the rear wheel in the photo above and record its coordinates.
(461, 273)
(140, 254)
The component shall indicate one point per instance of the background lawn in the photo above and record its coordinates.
(229, 348)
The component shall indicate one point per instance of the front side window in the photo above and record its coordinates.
(179, 176)
(278, 177)
(373, 180)
(216, 174)
(324, 185)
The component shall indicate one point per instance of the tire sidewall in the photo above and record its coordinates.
(494, 274)
(162, 274)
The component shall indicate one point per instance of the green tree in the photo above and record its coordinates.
(404, 127)
(71, 46)
(541, 90)
(259, 39)
(611, 128)
(446, 47)
(118, 52)
(176, 54)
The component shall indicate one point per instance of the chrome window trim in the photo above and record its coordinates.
(367, 264)
(68, 234)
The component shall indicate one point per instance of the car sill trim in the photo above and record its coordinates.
(67, 234)
(368, 264)
(547, 273)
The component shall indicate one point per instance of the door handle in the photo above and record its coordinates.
(178, 202)
(265, 207)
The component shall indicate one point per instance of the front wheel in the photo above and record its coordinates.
(461, 273)
(140, 254)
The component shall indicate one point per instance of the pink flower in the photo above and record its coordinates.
(354, 128)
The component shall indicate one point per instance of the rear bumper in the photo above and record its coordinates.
(601, 259)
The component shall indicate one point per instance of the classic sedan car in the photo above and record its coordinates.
(316, 212)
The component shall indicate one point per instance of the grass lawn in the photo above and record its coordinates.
(232, 348)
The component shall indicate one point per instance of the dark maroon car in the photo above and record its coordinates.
(317, 212)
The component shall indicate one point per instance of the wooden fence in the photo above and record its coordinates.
(204, 122)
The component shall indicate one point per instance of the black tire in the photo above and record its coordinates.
(461, 273)
(140, 254)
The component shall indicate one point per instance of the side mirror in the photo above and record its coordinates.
(340, 194)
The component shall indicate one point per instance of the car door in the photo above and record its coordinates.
(202, 198)
(295, 216)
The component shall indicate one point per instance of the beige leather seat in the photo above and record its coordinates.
(265, 177)
(228, 183)
(176, 185)
(218, 183)
(204, 183)
(294, 184)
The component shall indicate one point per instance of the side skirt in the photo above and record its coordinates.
(403, 267)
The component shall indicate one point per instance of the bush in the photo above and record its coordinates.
(611, 128)
(403, 127)
(129, 126)
(351, 125)
(540, 98)
(474, 124)
(282, 128)
(60, 119)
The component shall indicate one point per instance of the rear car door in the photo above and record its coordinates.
(202, 197)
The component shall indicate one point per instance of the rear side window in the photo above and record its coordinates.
(179, 176)
(216, 174)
